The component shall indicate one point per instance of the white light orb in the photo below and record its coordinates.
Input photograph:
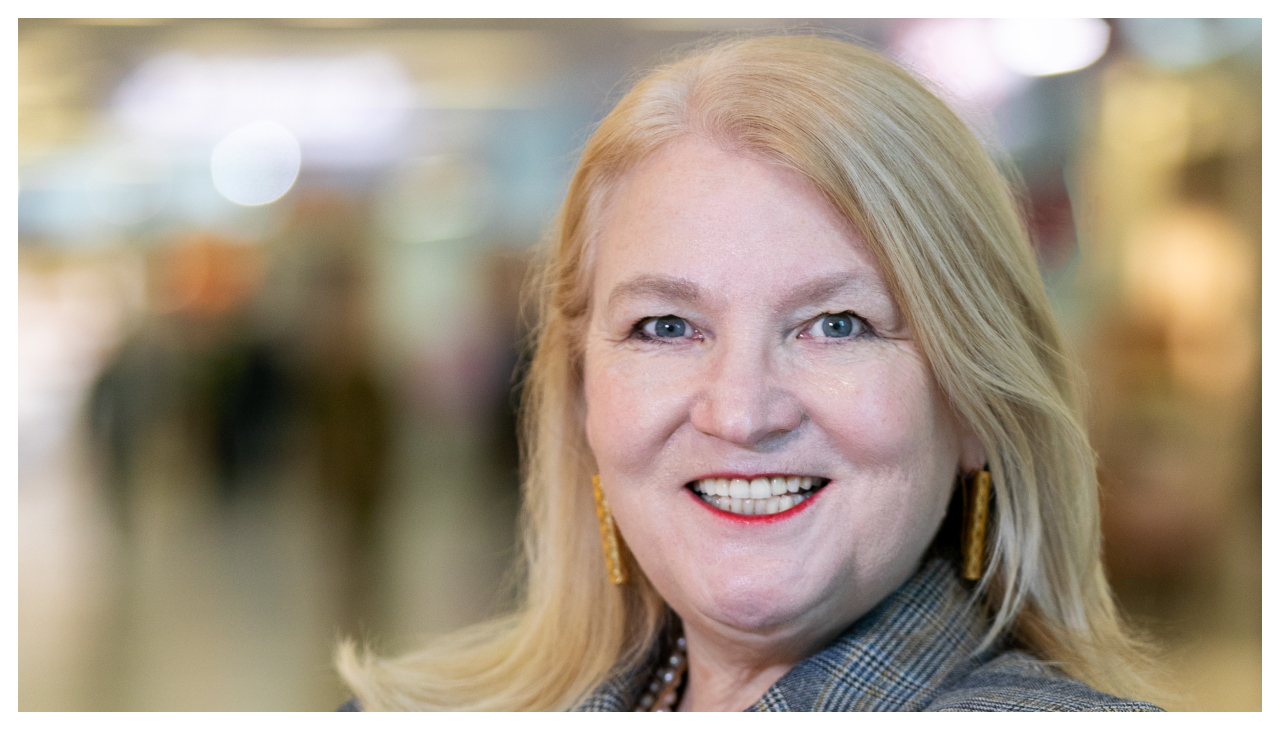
(956, 54)
(1047, 46)
(256, 164)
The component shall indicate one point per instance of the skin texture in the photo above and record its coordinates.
(751, 257)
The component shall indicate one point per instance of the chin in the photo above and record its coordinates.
(755, 603)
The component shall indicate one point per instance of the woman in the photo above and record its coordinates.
(790, 321)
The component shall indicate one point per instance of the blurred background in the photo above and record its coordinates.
(268, 277)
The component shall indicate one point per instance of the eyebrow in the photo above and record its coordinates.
(683, 290)
(826, 287)
(665, 287)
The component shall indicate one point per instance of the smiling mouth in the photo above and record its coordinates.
(757, 496)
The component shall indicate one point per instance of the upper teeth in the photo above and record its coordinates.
(759, 496)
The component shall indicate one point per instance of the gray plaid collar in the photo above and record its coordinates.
(896, 657)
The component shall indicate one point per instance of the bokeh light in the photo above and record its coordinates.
(1047, 46)
(256, 164)
(958, 56)
(345, 109)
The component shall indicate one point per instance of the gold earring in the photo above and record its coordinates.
(977, 495)
(609, 537)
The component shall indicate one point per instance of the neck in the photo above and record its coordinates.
(722, 677)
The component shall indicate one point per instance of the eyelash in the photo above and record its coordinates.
(867, 329)
(638, 329)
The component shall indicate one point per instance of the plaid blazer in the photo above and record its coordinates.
(914, 651)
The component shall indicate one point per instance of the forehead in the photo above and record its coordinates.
(724, 220)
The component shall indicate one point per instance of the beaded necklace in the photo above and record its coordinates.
(667, 681)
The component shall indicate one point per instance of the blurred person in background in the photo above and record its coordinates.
(198, 367)
(260, 367)
(793, 349)
(343, 405)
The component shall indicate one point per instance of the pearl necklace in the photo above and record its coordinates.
(667, 682)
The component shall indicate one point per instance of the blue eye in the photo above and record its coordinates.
(836, 326)
(666, 327)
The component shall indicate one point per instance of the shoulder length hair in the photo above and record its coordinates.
(947, 232)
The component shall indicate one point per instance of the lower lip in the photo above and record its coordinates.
(758, 519)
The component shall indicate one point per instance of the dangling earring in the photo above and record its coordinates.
(609, 537)
(977, 495)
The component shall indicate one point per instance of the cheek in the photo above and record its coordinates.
(890, 426)
(633, 406)
(882, 415)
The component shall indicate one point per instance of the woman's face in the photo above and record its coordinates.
(742, 338)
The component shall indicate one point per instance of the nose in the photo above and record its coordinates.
(743, 399)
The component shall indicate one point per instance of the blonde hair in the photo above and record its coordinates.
(946, 230)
